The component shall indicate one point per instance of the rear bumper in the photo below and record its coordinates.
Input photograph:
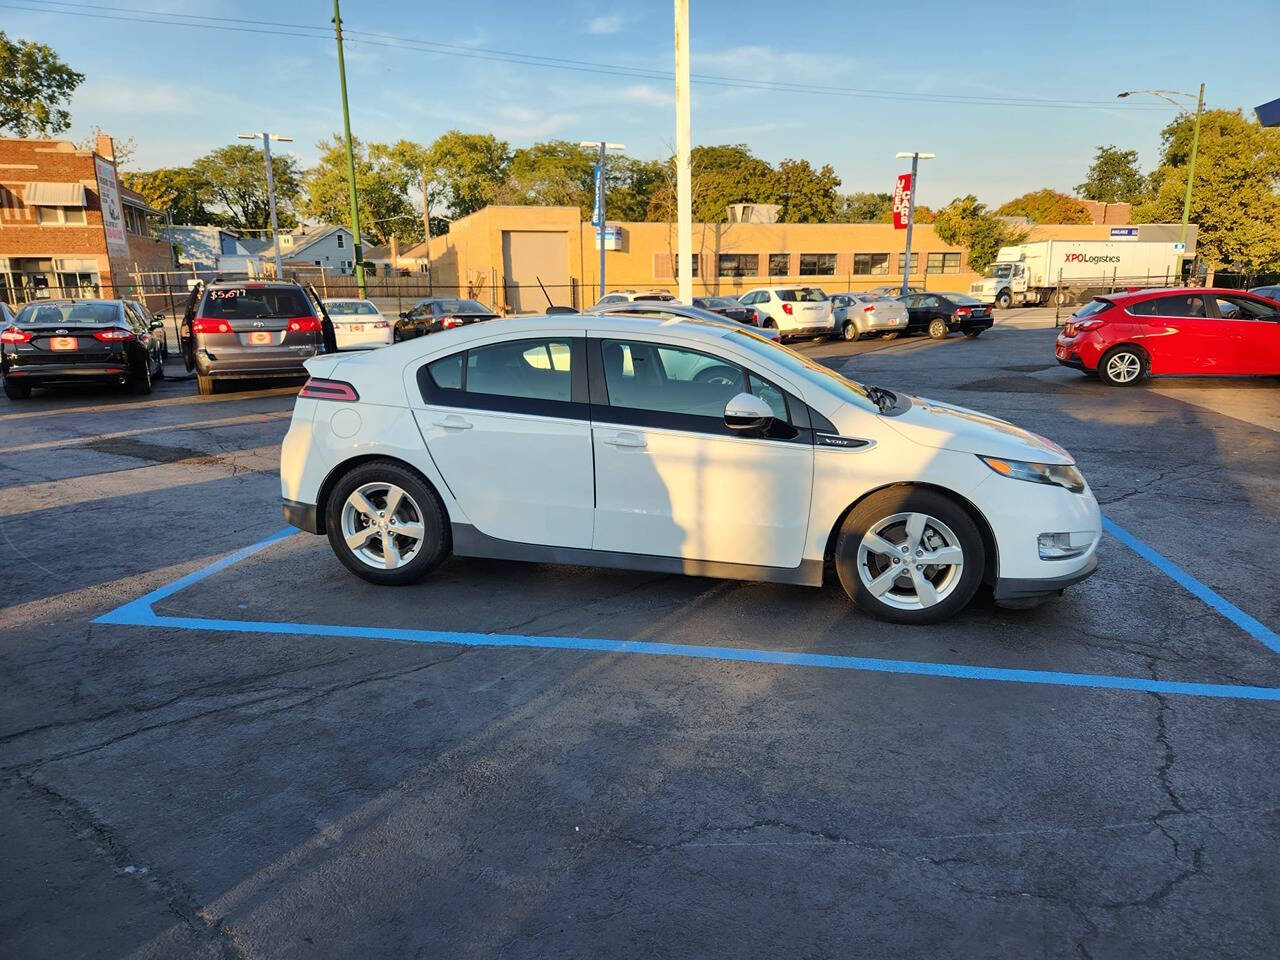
(304, 516)
(274, 363)
(981, 323)
(67, 373)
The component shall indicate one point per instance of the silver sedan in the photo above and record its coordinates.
(861, 314)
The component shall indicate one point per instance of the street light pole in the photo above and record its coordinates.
(916, 156)
(351, 158)
(1195, 142)
(600, 198)
(271, 187)
(684, 146)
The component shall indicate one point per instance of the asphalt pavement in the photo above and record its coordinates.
(533, 761)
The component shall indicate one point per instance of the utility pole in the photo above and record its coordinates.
(426, 226)
(271, 186)
(1191, 168)
(599, 218)
(684, 137)
(351, 157)
(916, 156)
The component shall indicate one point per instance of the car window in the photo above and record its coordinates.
(645, 376)
(773, 396)
(1244, 308)
(230, 303)
(1092, 307)
(69, 313)
(929, 303)
(1182, 305)
(520, 368)
(803, 295)
(446, 374)
(347, 308)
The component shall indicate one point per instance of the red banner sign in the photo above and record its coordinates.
(902, 201)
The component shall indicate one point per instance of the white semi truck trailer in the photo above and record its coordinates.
(1036, 273)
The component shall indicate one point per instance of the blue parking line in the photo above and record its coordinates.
(139, 612)
(1249, 624)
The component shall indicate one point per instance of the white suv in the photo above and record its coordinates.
(631, 296)
(795, 311)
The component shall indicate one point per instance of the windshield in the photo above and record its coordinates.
(1090, 308)
(460, 306)
(803, 295)
(69, 313)
(346, 308)
(248, 303)
(1001, 270)
(962, 300)
(805, 369)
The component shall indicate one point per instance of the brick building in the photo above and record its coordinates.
(68, 227)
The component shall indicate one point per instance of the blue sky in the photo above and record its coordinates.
(181, 91)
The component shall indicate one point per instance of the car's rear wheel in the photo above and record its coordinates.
(937, 328)
(892, 335)
(386, 525)
(909, 556)
(16, 391)
(205, 386)
(140, 383)
(851, 331)
(1122, 366)
(972, 334)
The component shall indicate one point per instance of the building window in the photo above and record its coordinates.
(874, 264)
(342, 241)
(60, 216)
(317, 263)
(739, 265)
(817, 264)
(943, 263)
(693, 258)
(779, 264)
(915, 262)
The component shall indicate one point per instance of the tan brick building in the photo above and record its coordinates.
(68, 227)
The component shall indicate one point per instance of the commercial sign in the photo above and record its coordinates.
(612, 238)
(902, 201)
(1124, 233)
(595, 209)
(112, 212)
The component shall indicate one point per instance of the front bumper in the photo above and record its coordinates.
(304, 516)
(1019, 590)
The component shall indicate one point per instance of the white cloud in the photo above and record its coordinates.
(115, 95)
(647, 93)
(602, 26)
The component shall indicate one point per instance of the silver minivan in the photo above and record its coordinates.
(252, 329)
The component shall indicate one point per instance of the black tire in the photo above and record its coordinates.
(1004, 301)
(938, 329)
(885, 504)
(437, 542)
(893, 335)
(851, 332)
(973, 334)
(1124, 358)
(16, 391)
(205, 386)
(140, 384)
(159, 374)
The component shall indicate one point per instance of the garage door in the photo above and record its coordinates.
(532, 255)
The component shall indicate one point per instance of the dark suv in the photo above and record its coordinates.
(236, 330)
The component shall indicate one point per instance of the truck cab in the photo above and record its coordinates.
(1004, 283)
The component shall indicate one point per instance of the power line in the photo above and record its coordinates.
(312, 32)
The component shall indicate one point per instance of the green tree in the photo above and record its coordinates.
(1235, 197)
(719, 175)
(177, 190)
(804, 195)
(965, 222)
(235, 180)
(1046, 206)
(864, 208)
(557, 173)
(631, 184)
(34, 85)
(1113, 177)
(382, 186)
(467, 170)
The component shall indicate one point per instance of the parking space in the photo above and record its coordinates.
(268, 756)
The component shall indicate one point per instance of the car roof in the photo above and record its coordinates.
(602, 322)
(346, 300)
(251, 284)
(1125, 296)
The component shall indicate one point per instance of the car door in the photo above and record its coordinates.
(1181, 338)
(1256, 324)
(140, 323)
(506, 423)
(672, 479)
(919, 311)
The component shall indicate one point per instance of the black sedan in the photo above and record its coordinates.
(938, 314)
(74, 341)
(439, 313)
(726, 307)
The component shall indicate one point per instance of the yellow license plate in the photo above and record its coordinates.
(62, 343)
(259, 338)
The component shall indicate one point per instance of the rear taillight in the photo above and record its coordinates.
(207, 325)
(380, 325)
(14, 335)
(1091, 324)
(963, 311)
(303, 325)
(114, 335)
(786, 308)
(448, 323)
(318, 389)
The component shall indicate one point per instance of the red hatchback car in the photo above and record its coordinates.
(1126, 337)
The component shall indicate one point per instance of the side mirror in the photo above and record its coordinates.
(159, 316)
(404, 316)
(157, 323)
(747, 412)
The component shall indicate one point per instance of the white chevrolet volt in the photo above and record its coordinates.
(678, 446)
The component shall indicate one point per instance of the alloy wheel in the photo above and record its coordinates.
(382, 525)
(1124, 367)
(910, 561)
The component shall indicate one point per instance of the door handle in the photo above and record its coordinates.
(626, 439)
(454, 422)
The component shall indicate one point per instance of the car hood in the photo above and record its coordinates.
(944, 426)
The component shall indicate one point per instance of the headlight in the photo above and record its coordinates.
(1058, 475)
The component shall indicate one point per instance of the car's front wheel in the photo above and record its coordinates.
(386, 525)
(1004, 301)
(909, 555)
(851, 331)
